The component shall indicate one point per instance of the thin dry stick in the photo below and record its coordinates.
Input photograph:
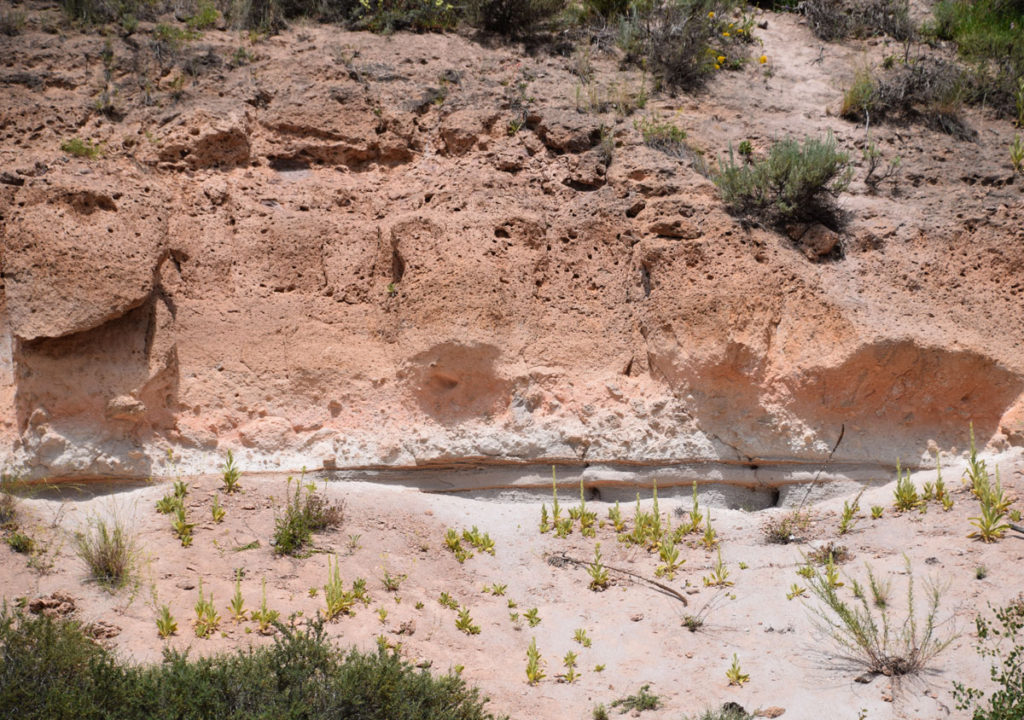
(842, 431)
(562, 559)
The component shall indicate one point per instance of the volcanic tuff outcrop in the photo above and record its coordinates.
(339, 255)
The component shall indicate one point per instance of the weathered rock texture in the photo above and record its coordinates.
(339, 255)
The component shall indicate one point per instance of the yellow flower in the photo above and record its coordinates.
(763, 59)
(725, 34)
(711, 14)
(718, 67)
(721, 58)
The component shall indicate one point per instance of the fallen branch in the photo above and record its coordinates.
(561, 560)
(1016, 528)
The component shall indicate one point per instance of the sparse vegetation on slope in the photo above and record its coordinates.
(797, 181)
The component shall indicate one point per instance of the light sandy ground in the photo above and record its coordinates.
(637, 632)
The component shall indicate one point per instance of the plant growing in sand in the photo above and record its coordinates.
(448, 601)
(643, 700)
(231, 475)
(392, 582)
(569, 661)
(876, 639)
(182, 528)
(786, 528)
(237, 605)
(464, 622)
(848, 519)
(735, 674)
(264, 617)
(994, 504)
(534, 664)
(305, 512)
(109, 550)
(906, 497)
(532, 617)
(581, 637)
(166, 625)
(338, 601)
(207, 617)
(216, 510)
(597, 571)
(719, 576)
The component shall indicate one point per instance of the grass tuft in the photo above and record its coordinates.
(109, 550)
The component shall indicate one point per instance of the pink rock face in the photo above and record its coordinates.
(405, 258)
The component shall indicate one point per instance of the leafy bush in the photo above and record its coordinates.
(797, 182)
(81, 148)
(513, 18)
(988, 35)
(1000, 639)
(881, 644)
(838, 19)
(109, 550)
(306, 511)
(929, 91)
(685, 41)
(385, 16)
(49, 670)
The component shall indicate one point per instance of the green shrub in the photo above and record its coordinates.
(684, 41)
(837, 19)
(386, 16)
(607, 8)
(797, 182)
(927, 91)
(988, 34)
(306, 511)
(49, 670)
(1002, 640)
(513, 18)
(877, 640)
(206, 16)
(109, 550)
(81, 148)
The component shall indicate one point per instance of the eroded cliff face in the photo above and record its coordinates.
(340, 256)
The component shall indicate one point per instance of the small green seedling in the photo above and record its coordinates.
(532, 617)
(719, 576)
(166, 625)
(906, 497)
(237, 605)
(207, 617)
(569, 661)
(392, 582)
(534, 664)
(848, 519)
(581, 637)
(597, 571)
(232, 475)
(796, 591)
(216, 510)
(876, 511)
(736, 676)
(448, 601)
(464, 622)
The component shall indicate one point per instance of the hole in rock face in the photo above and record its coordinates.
(288, 164)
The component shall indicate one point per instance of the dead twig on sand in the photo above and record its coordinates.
(561, 560)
